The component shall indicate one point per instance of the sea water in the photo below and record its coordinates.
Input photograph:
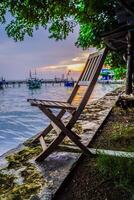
(20, 121)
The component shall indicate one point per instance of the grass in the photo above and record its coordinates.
(118, 132)
(122, 131)
(120, 170)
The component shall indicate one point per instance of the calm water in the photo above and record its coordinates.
(19, 121)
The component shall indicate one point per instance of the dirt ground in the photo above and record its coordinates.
(86, 183)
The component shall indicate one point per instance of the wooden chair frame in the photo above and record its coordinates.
(87, 78)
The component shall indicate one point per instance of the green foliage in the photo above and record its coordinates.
(115, 59)
(93, 17)
(87, 37)
(119, 169)
(119, 73)
(61, 17)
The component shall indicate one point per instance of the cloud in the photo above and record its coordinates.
(40, 52)
(74, 64)
(50, 68)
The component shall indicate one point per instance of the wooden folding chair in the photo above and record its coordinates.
(87, 78)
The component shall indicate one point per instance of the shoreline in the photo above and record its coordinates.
(22, 120)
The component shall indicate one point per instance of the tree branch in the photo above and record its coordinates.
(126, 7)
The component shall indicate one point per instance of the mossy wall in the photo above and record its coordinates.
(21, 168)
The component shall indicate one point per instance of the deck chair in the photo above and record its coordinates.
(87, 78)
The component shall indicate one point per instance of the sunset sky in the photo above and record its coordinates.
(48, 57)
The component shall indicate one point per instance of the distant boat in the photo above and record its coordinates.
(68, 83)
(2, 83)
(106, 74)
(33, 82)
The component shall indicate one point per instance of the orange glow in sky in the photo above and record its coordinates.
(75, 64)
(73, 67)
(76, 67)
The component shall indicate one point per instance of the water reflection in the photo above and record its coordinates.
(19, 121)
(99, 91)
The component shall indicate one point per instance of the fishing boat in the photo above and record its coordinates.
(2, 81)
(69, 82)
(1, 85)
(34, 82)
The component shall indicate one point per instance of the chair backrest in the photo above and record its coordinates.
(90, 67)
(88, 78)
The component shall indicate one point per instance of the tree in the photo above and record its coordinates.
(60, 17)
(94, 17)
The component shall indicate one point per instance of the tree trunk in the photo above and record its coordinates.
(133, 79)
(130, 58)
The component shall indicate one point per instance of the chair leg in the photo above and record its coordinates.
(55, 119)
(43, 143)
(58, 130)
(49, 127)
(51, 147)
(43, 133)
(66, 131)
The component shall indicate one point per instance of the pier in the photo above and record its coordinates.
(14, 83)
(18, 83)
